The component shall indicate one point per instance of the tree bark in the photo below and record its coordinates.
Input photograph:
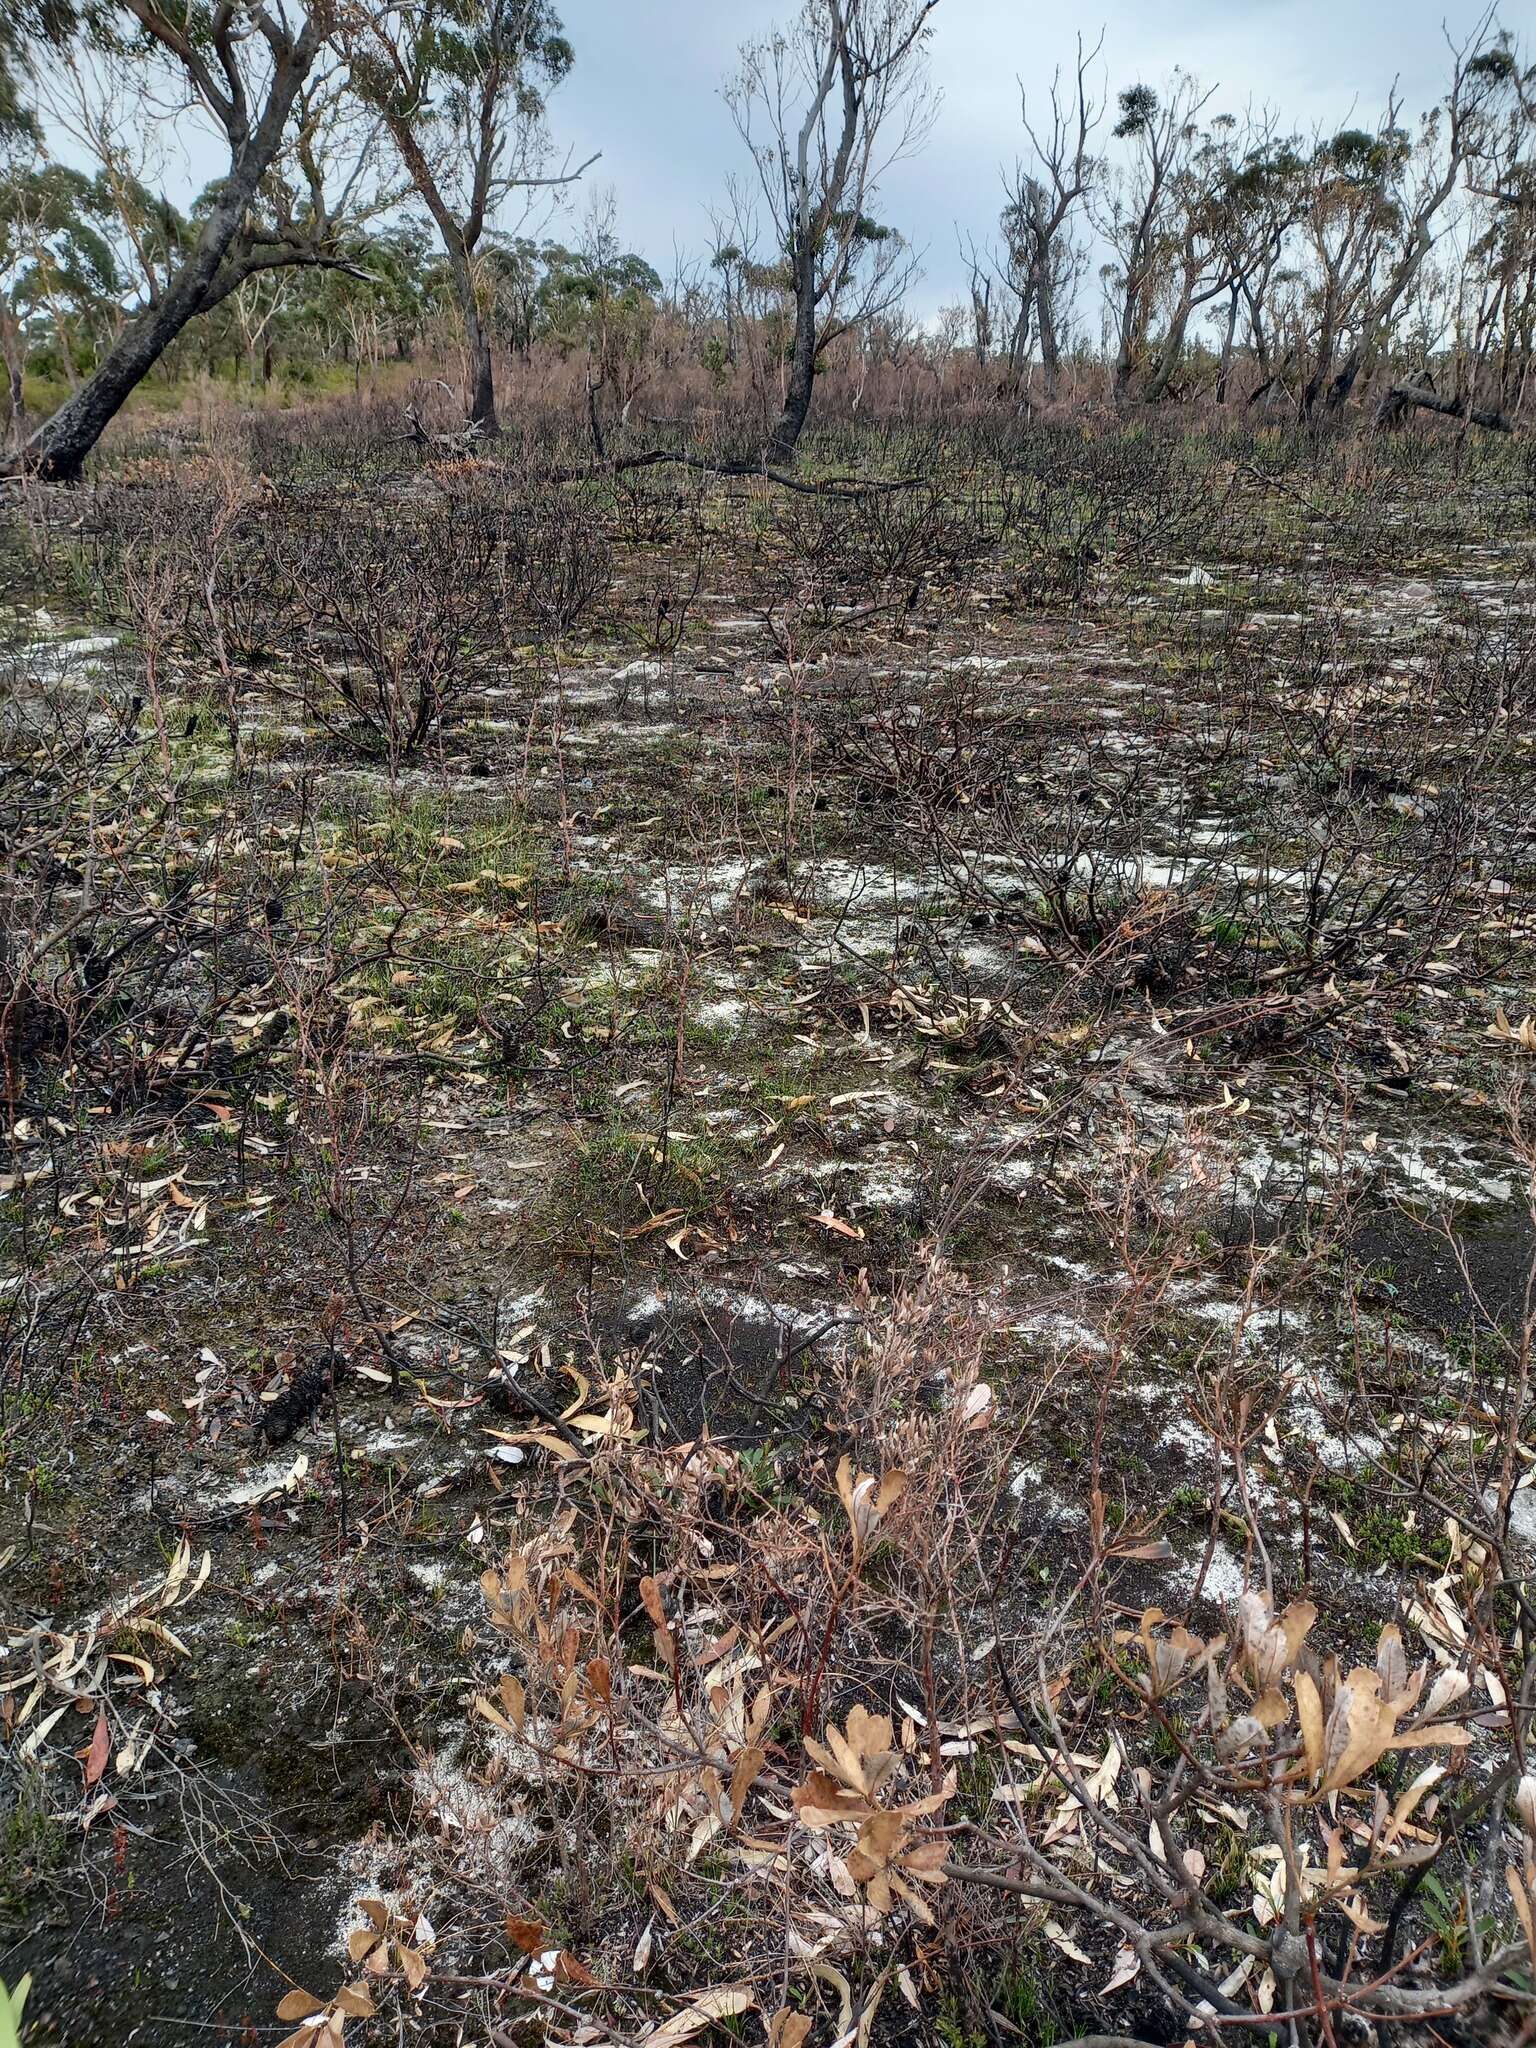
(58, 450)
(459, 243)
(1169, 354)
(481, 392)
(1344, 383)
(13, 356)
(802, 368)
(18, 420)
(1403, 398)
(1228, 338)
(1125, 352)
(482, 376)
(1045, 320)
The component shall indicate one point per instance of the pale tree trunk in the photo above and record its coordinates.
(13, 355)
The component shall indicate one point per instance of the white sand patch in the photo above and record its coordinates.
(1447, 1170)
(1226, 1578)
(721, 1013)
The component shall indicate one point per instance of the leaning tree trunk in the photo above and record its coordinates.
(57, 451)
(1018, 344)
(1168, 356)
(1344, 383)
(12, 355)
(1401, 399)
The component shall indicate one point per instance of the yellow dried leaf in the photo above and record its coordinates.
(1391, 1662)
(1520, 1893)
(1359, 1730)
(650, 1599)
(892, 1487)
(744, 1773)
(515, 1700)
(1440, 1735)
(722, 2002)
(1309, 1713)
(299, 2005)
(1295, 1624)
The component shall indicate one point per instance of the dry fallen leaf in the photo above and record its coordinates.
(837, 1225)
(721, 2002)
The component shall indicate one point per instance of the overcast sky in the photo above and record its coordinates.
(646, 92)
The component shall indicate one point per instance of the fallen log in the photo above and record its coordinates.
(1402, 398)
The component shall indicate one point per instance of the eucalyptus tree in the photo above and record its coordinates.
(26, 26)
(462, 87)
(260, 77)
(1042, 199)
(727, 257)
(1236, 198)
(826, 107)
(513, 284)
(1378, 202)
(57, 265)
(1501, 261)
(980, 281)
(1140, 211)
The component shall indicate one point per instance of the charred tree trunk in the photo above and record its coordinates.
(1050, 347)
(1168, 355)
(481, 393)
(1224, 371)
(1128, 346)
(802, 366)
(1402, 399)
(1020, 336)
(1344, 383)
(594, 417)
(459, 242)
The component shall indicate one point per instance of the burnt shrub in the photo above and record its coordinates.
(388, 624)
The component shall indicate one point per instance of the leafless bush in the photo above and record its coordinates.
(390, 624)
(562, 561)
